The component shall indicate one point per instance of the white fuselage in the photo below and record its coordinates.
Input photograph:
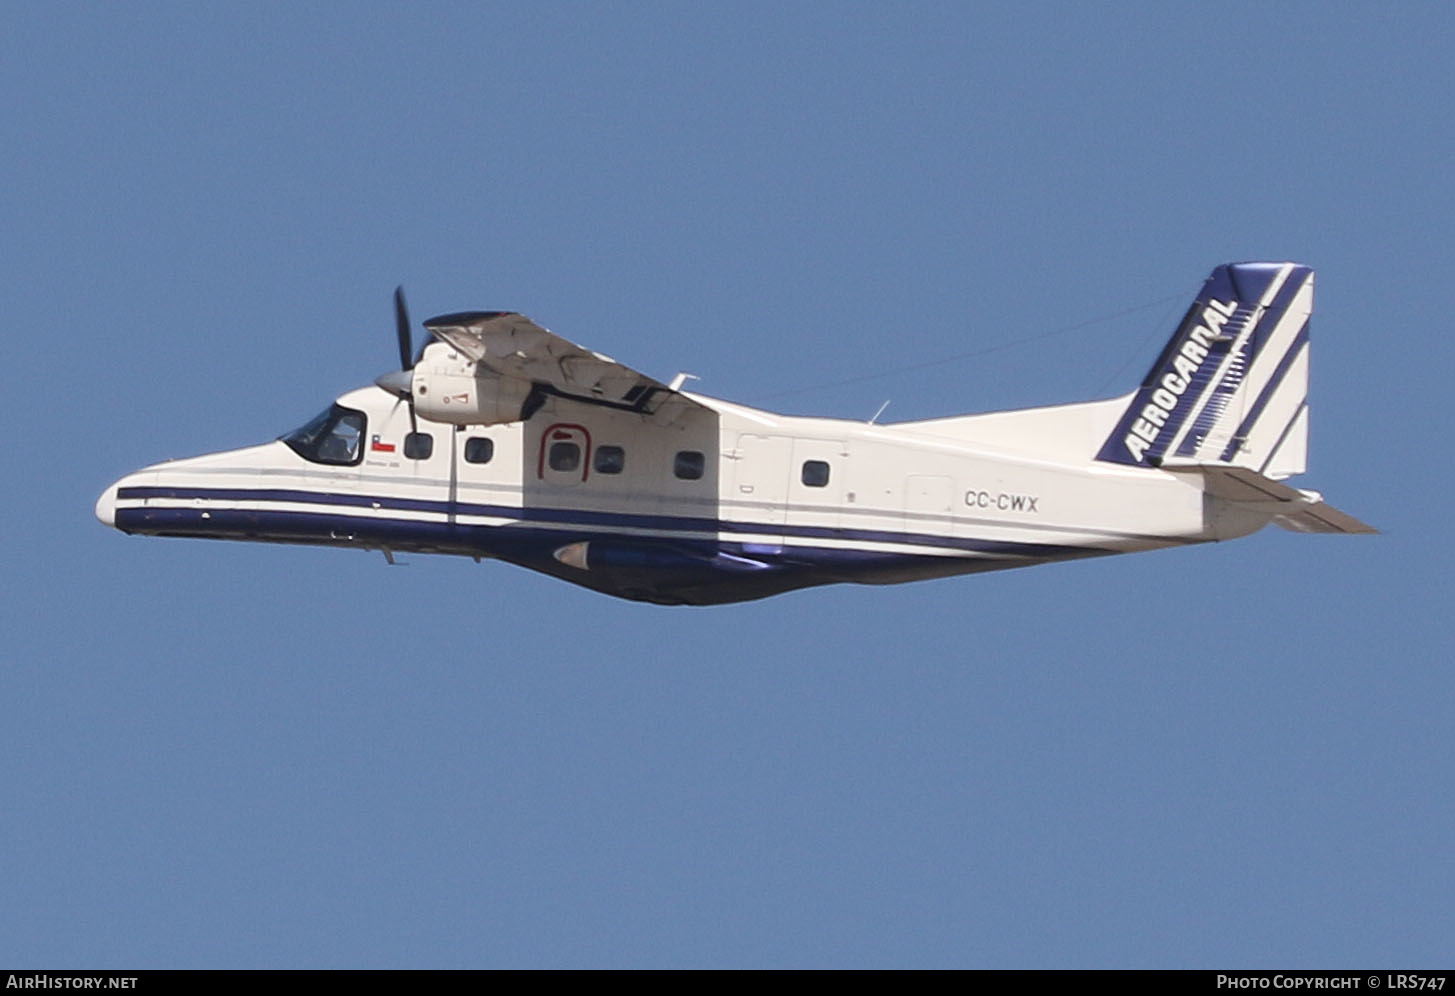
(724, 504)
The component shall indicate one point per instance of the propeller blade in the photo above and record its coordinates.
(413, 422)
(401, 330)
(400, 382)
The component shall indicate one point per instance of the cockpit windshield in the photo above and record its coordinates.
(336, 436)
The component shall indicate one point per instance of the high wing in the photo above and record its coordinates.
(512, 345)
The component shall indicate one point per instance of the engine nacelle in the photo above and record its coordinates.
(468, 399)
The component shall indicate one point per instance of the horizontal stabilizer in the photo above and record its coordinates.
(1321, 517)
(1295, 510)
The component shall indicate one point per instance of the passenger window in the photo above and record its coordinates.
(418, 445)
(564, 456)
(609, 460)
(815, 473)
(479, 449)
(688, 465)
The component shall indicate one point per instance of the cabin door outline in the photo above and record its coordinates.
(552, 463)
(760, 484)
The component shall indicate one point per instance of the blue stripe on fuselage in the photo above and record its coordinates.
(588, 518)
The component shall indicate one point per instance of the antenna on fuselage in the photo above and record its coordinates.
(878, 413)
(681, 379)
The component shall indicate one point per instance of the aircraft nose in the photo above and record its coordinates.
(111, 497)
(106, 507)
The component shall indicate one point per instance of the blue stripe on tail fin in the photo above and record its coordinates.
(1231, 385)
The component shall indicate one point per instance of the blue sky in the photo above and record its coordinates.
(236, 755)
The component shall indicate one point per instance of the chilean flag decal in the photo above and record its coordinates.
(377, 447)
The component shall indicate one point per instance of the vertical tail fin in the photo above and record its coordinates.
(1231, 387)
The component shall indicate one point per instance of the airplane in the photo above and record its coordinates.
(501, 440)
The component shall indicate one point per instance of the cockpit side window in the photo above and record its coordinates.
(335, 437)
